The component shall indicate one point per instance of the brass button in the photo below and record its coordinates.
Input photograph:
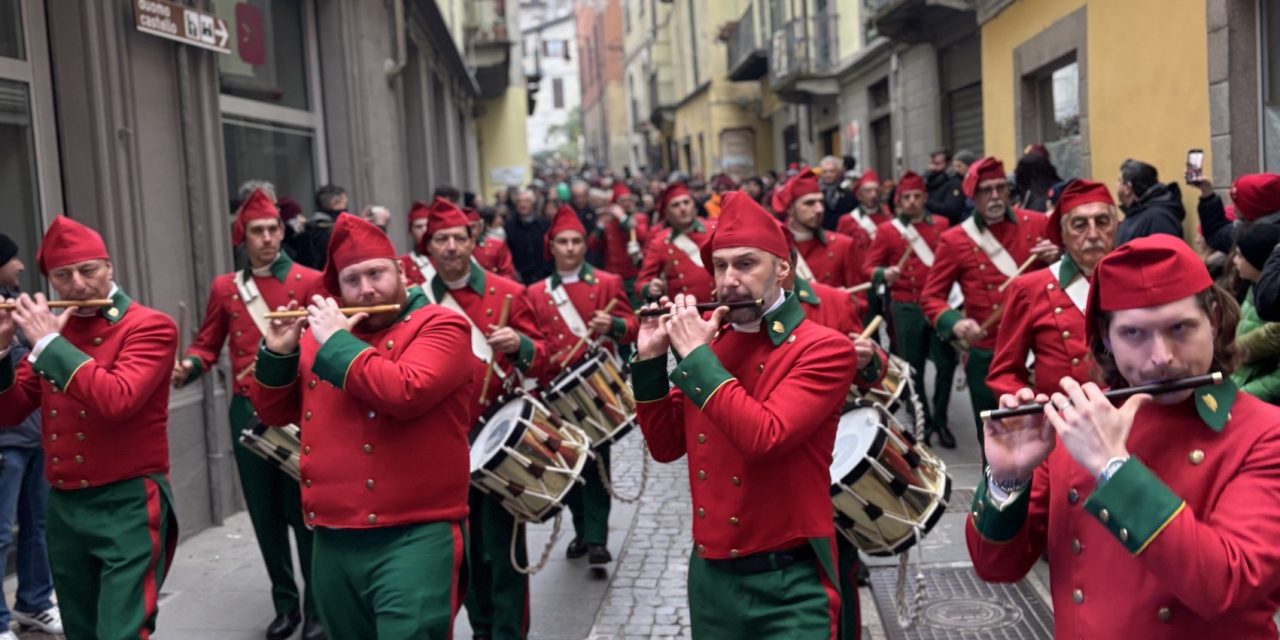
(1051, 286)
(982, 267)
(1196, 456)
(306, 449)
(760, 367)
(1073, 496)
(702, 513)
(373, 517)
(737, 482)
(297, 276)
(235, 314)
(97, 342)
(240, 352)
(492, 290)
(56, 460)
(83, 414)
(1075, 546)
(308, 483)
(79, 459)
(311, 384)
(702, 438)
(85, 483)
(80, 436)
(239, 333)
(791, 338)
(989, 287)
(53, 413)
(733, 521)
(1075, 361)
(372, 415)
(702, 475)
(391, 343)
(369, 483)
(1066, 334)
(60, 482)
(702, 549)
(684, 374)
(1104, 516)
(733, 553)
(1077, 596)
(1057, 310)
(1124, 535)
(488, 312)
(697, 390)
(368, 448)
(1164, 614)
(311, 515)
(307, 415)
(53, 437)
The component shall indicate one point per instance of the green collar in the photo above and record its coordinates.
(782, 321)
(475, 281)
(119, 306)
(279, 269)
(1067, 271)
(696, 226)
(586, 273)
(805, 293)
(927, 219)
(1213, 403)
(982, 223)
(417, 299)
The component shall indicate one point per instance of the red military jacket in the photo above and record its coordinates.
(848, 224)
(611, 241)
(1179, 543)
(756, 415)
(959, 259)
(888, 248)
(493, 255)
(836, 309)
(102, 387)
(374, 408)
(481, 300)
(227, 316)
(683, 274)
(1041, 318)
(833, 258)
(409, 265)
(592, 292)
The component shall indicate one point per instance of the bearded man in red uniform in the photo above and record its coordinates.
(824, 256)
(672, 259)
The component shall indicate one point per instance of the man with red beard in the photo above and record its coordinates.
(824, 256)
(672, 257)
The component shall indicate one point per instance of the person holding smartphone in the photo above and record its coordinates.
(1149, 206)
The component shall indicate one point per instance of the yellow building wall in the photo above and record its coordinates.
(501, 136)
(849, 27)
(1148, 87)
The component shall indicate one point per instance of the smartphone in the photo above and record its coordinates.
(1195, 166)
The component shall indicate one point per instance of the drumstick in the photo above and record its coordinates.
(608, 308)
(872, 327)
(1115, 395)
(64, 304)
(348, 311)
(182, 331)
(905, 255)
(706, 306)
(1020, 270)
(858, 288)
(488, 370)
(253, 366)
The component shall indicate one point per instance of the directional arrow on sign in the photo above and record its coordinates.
(221, 33)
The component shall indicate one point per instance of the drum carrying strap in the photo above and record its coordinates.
(427, 269)
(864, 222)
(802, 268)
(990, 246)
(918, 245)
(1078, 290)
(252, 299)
(567, 311)
(479, 345)
(687, 245)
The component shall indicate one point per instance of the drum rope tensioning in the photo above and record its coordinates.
(546, 551)
(608, 482)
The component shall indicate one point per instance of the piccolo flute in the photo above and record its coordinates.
(63, 304)
(1115, 395)
(350, 311)
(706, 306)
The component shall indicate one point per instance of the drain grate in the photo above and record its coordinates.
(959, 606)
(961, 500)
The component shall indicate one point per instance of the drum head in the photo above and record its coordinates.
(499, 427)
(856, 434)
(575, 375)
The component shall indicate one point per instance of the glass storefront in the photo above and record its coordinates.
(12, 43)
(19, 189)
(258, 150)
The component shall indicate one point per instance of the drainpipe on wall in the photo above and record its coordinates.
(393, 67)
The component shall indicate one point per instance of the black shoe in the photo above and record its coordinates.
(946, 438)
(598, 554)
(284, 624)
(577, 549)
(312, 630)
(863, 575)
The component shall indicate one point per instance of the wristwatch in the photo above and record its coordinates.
(1113, 465)
(1008, 485)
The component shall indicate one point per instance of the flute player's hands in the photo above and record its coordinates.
(283, 333)
(1091, 428)
(1016, 446)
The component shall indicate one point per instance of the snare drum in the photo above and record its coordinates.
(594, 397)
(887, 392)
(526, 457)
(277, 445)
(888, 490)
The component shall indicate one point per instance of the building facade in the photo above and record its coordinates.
(604, 115)
(551, 55)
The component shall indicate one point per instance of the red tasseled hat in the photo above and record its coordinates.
(471, 213)
(443, 214)
(670, 193)
(744, 223)
(418, 211)
(1256, 195)
(566, 220)
(802, 184)
(68, 242)
(352, 241)
(1145, 272)
(869, 177)
(619, 190)
(257, 207)
(1076, 193)
(910, 181)
(988, 168)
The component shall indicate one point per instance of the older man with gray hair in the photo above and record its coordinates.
(525, 231)
(836, 200)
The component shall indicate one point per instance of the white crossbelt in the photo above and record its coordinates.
(687, 245)
(913, 238)
(990, 246)
(253, 302)
(479, 344)
(1078, 290)
(564, 305)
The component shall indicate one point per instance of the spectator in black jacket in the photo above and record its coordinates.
(1149, 206)
(525, 230)
(836, 200)
(945, 196)
(1266, 293)
(331, 200)
(1033, 177)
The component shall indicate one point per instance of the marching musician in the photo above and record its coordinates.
(572, 304)
(1160, 517)
(915, 232)
(492, 254)
(99, 375)
(1044, 309)
(824, 256)
(672, 259)
(237, 308)
(613, 237)
(498, 595)
(375, 395)
(986, 250)
(755, 411)
(416, 266)
(871, 211)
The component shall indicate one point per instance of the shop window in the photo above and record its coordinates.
(19, 189)
(259, 150)
(268, 61)
(11, 40)
(1054, 104)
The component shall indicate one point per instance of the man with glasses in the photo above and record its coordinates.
(981, 255)
(672, 258)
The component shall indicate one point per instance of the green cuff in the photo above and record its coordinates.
(524, 357)
(275, 371)
(871, 372)
(7, 376)
(1134, 505)
(700, 375)
(649, 379)
(946, 322)
(197, 368)
(335, 356)
(617, 328)
(877, 278)
(59, 362)
(996, 523)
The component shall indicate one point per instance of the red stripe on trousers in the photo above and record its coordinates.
(457, 592)
(833, 592)
(150, 597)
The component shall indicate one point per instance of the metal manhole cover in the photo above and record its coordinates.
(958, 605)
(961, 500)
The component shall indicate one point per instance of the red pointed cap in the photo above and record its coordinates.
(910, 181)
(68, 242)
(566, 220)
(1145, 272)
(352, 241)
(744, 223)
(1076, 193)
(869, 177)
(417, 212)
(443, 214)
(988, 168)
(800, 185)
(670, 193)
(1256, 195)
(619, 190)
(257, 207)
(471, 213)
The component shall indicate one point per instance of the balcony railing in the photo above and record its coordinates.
(487, 21)
(748, 56)
(805, 46)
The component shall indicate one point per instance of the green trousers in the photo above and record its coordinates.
(636, 300)
(799, 602)
(975, 370)
(390, 583)
(110, 548)
(274, 502)
(590, 503)
(850, 606)
(497, 594)
(915, 341)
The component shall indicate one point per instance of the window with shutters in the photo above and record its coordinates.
(557, 93)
